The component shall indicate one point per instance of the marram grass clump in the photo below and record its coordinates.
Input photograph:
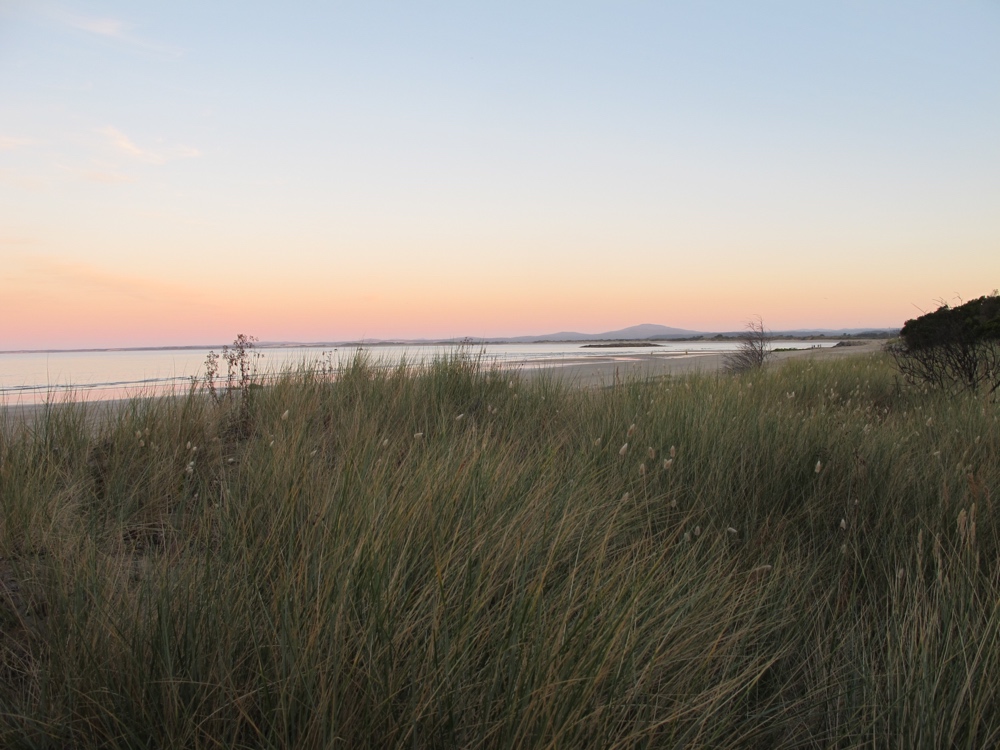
(804, 556)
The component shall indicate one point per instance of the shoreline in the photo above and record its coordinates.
(586, 373)
(605, 373)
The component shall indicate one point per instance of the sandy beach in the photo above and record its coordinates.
(606, 371)
(586, 372)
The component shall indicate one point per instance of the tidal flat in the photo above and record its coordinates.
(467, 555)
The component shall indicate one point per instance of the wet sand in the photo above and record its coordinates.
(583, 372)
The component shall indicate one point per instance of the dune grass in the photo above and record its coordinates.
(800, 557)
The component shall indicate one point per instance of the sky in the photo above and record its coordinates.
(178, 173)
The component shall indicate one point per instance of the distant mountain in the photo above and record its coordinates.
(632, 333)
(643, 332)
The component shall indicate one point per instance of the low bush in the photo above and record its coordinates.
(953, 347)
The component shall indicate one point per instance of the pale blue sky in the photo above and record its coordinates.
(316, 171)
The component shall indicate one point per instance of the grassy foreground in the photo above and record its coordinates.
(805, 557)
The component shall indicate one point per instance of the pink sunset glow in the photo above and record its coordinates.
(393, 177)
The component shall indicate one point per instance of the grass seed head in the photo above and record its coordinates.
(417, 435)
(673, 451)
(623, 450)
(284, 415)
(631, 430)
(667, 463)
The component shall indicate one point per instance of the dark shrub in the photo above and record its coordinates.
(953, 347)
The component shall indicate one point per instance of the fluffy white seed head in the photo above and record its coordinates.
(623, 450)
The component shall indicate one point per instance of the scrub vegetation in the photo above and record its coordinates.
(953, 348)
(804, 555)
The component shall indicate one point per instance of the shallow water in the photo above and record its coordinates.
(36, 377)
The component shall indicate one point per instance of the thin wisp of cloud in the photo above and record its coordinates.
(103, 26)
(22, 181)
(9, 143)
(126, 145)
(86, 278)
(106, 178)
(110, 28)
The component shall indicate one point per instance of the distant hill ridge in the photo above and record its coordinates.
(639, 332)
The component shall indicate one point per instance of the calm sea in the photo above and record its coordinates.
(35, 377)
